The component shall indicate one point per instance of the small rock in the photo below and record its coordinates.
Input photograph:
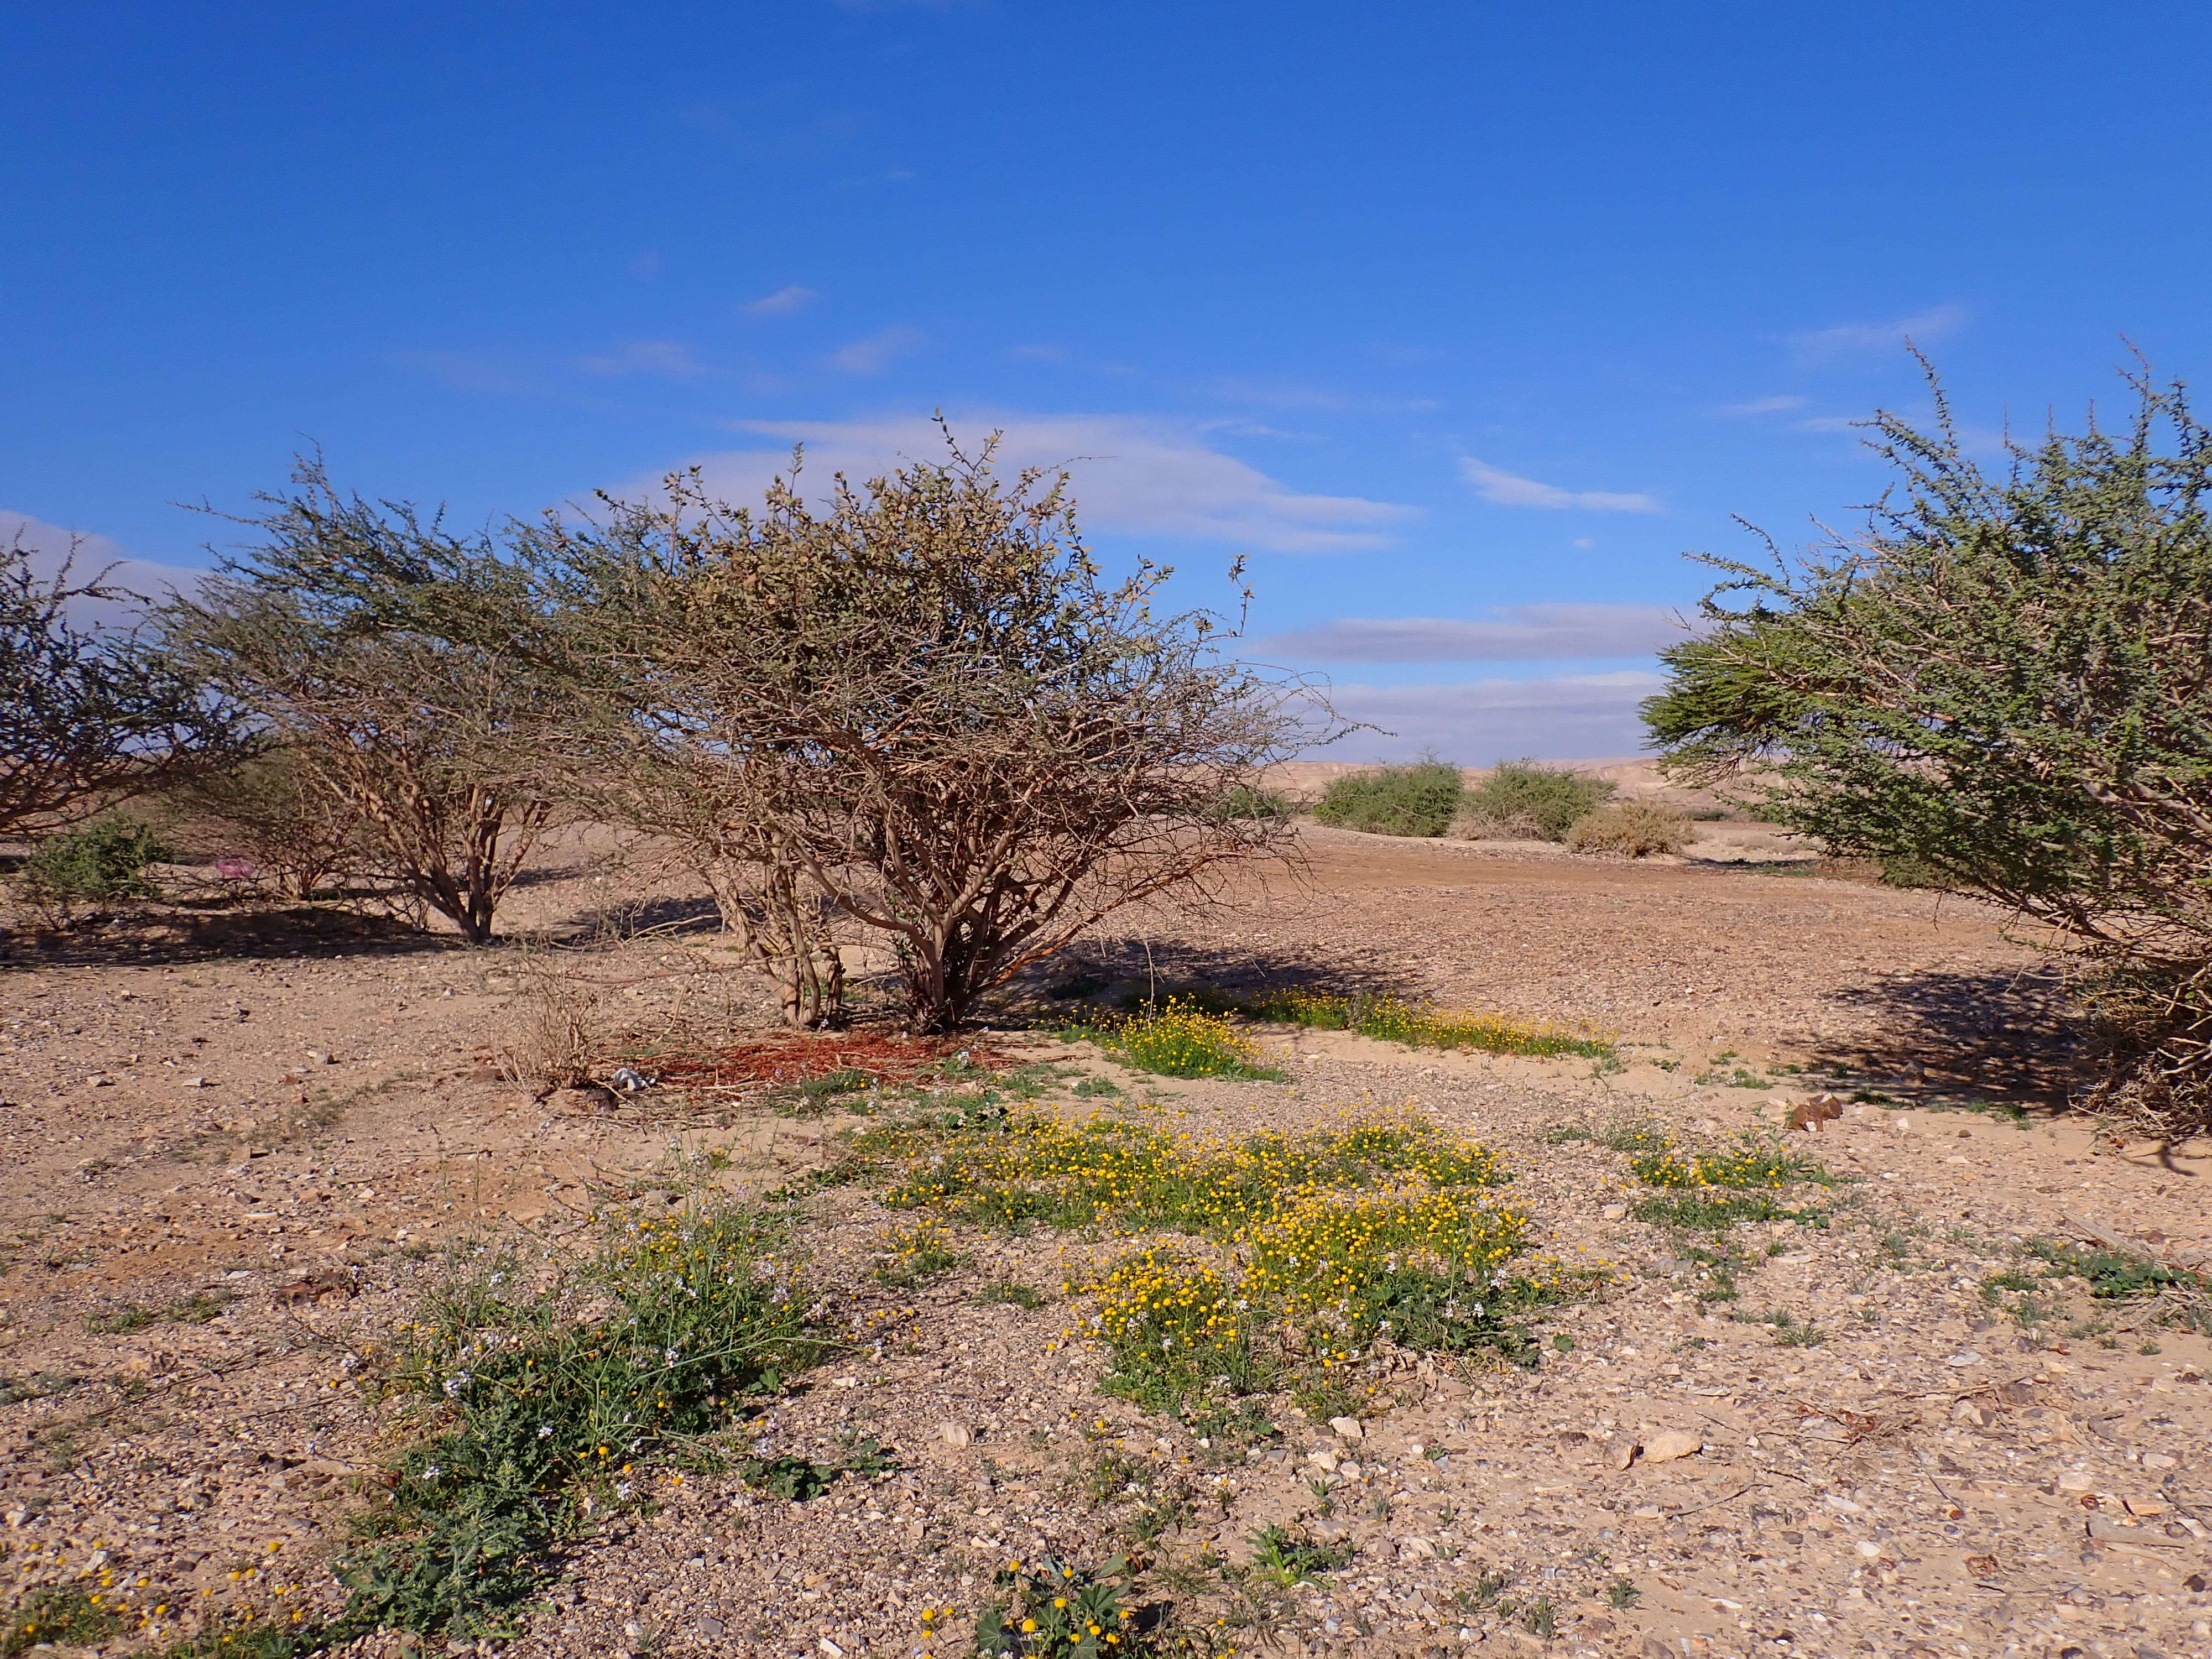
(1964, 1357)
(1666, 1448)
(1621, 1449)
(1416, 1549)
(1324, 1458)
(589, 1098)
(2111, 1532)
(830, 1647)
(1350, 1470)
(1347, 1428)
(1614, 1211)
(955, 1434)
(2159, 1461)
(196, 1083)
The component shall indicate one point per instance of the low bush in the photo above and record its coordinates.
(1634, 829)
(1393, 800)
(1523, 801)
(106, 859)
(1245, 801)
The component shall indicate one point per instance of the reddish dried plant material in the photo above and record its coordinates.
(784, 1061)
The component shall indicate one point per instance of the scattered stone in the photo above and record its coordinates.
(1675, 1443)
(1347, 1428)
(1614, 1211)
(955, 1434)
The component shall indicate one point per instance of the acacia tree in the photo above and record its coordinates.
(87, 715)
(2007, 681)
(333, 635)
(921, 712)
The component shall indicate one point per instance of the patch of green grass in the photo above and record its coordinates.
(1712, 1212)
(1391, 1018)
(916, 1254)
(541, 1403)
(1621, 1594)
(54, 1614)
(1789, 1331)
(1288, 1557)
(1740, 1077)
(1096, 1088)
(196, 1309)
(1754, 1158)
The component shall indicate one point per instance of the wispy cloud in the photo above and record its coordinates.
(1921, 327)
(878, 351)
(1830, 424)
(1520, 633)
(669, 358)
(51, 546)
(1572, 717)
(1782, 404)
(1511, 490)
(783, 302)
(1133, 475)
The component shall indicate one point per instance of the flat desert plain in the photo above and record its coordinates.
(247, 1141)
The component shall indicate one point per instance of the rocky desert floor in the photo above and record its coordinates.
(243, 1138)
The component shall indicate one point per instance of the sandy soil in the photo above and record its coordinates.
(238, 1136)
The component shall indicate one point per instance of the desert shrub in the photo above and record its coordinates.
(1246, 801)
(107, 858)
(1521, 800)
(1635, 828)
(1417, 799)
(284, 816)
(558, 1022)
(1998, 687)
(89, 715)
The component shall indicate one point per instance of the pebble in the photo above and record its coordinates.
(1347, 1428)
(1666, 1448)
(955, 1434)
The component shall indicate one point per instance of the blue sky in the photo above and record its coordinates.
(1463, 321)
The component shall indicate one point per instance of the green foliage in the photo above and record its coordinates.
(56, 1615)
(1052, 1609)
(197, 1309)
(1178, 1038)
(541, 1406)
(106, 859)
(1523, 799)
(1288, 1557)
(1008, 1293)
(1392, 1020)
(801, 1479)
(1419, 800)
(1999, 689)
(1633, 828)
(1245, 801)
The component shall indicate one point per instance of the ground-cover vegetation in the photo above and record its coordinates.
(103, 860)
(1632, 829)
(1522, 800)
(2136, 1290)
(543, 1398)
(1177, 1037)
(1294, 1255)
(1707, 1190)
(1393, 1020)
(1393, 800)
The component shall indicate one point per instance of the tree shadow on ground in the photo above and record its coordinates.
(2013, 1036)
(1102, 969)
(661, 913)
(164, 937)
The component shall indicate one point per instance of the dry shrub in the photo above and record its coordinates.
(1521, 801)
(1633, 828)
(559, 1024)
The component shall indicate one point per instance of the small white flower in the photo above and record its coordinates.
(457, 1385)
(544, 1431)
(622, 1490)
(431, 1471)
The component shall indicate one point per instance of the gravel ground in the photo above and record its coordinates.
(238, 1142)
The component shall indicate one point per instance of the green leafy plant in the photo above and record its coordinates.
(106, 859)
(1055, 1609)
(1998, 684)
(1288, 1557)
(1419, 800)
(1520, 800)
(56, 1615)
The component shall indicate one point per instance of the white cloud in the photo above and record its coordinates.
(1921, 327)
(1574, 717)
(878, 351)
(1520, 632)
(781, 303)
(1510, 490)
(1831, 423)
(669, 358)
(1132, 474)
(1777, 405)
(50, 546)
